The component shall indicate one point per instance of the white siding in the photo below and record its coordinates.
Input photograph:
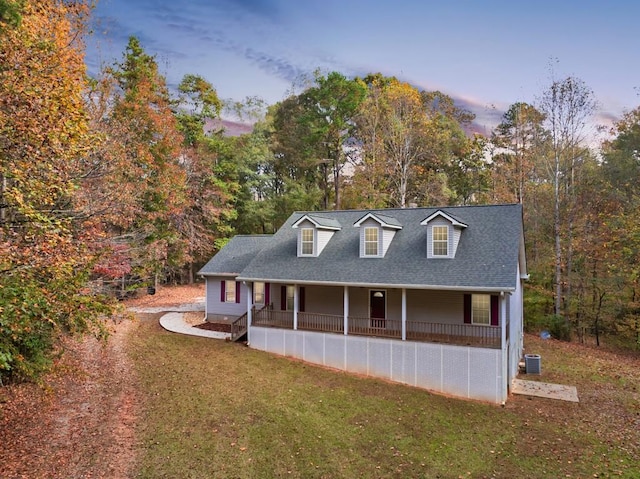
(454, 237)
(457, 232)
(422, 305)
(387, 237)
(435, 306)
(222, 310)
(516, 325)
(461, 371)
(324, 299)
(359, 302)
(322, 238)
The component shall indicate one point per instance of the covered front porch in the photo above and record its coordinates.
(393, 313)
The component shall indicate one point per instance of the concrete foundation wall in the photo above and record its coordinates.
(474, 373)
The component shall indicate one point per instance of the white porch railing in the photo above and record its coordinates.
(459, 334)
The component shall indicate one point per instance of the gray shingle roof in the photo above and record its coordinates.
(322, 222)
(439, 213)
(486, 258)
(388, 220)
(235, 256)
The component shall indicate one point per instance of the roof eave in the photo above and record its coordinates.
(200, 273)
(315, 223)
(378, 220)
(480, 289)
(448, 217)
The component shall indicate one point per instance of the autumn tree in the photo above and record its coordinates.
(567, 106)
(256, 200)
(368, 188)
(329, 109)
(517, 140)
(621, 176)
(10, 14)
(469, 173)
(150, 154)
(299, 172)
(408, 141)
(211, 177)
(44, 140)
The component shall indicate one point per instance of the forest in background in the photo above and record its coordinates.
(114, 183)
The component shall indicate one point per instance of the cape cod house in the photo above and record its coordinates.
(430, 297)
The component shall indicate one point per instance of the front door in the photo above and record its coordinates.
(378, 308)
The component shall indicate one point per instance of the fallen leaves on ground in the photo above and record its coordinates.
(81, 421)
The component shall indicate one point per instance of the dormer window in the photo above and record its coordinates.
(307, 242)
(440, 235)
(314, 233)
(371, 241)
(376, 234)
(443, 235)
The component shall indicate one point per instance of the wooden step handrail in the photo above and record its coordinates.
(239, 326)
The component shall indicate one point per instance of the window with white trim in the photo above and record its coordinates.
(306, 241)
(291, 291)
(440, 240)
(229, 291)
(481, 309)
(258, 293)
(371, 241)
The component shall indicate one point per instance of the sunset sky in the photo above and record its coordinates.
(485, 54)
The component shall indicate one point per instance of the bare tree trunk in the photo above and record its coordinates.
(556, 233)
(325, 199)
(597, 319)
(336, 184)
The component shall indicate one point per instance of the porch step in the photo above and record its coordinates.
(240, 336)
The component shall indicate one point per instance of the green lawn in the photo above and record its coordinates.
(215, 410)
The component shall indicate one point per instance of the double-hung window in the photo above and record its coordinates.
(291, 291)
(258, 293)
(440, 240)
(306, 240)
(371, 241)
(481, 309)
(229, 291)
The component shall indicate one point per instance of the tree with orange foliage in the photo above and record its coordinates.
(44, 139)
(141, 158)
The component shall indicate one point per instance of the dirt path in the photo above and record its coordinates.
(82, 424)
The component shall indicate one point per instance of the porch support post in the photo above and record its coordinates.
(206, 297)
(346, 309)
(295, 307)
(249, 310)
(502, 318)
(404, 314)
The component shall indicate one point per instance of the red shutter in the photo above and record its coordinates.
(223, 291)
(494, 310)
(301, 299)
(267, 294)
(467, 308)
(283, 297)
(237, 291)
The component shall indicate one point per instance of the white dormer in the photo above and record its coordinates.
(443, 235)
(376, 233)
(314, 232)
